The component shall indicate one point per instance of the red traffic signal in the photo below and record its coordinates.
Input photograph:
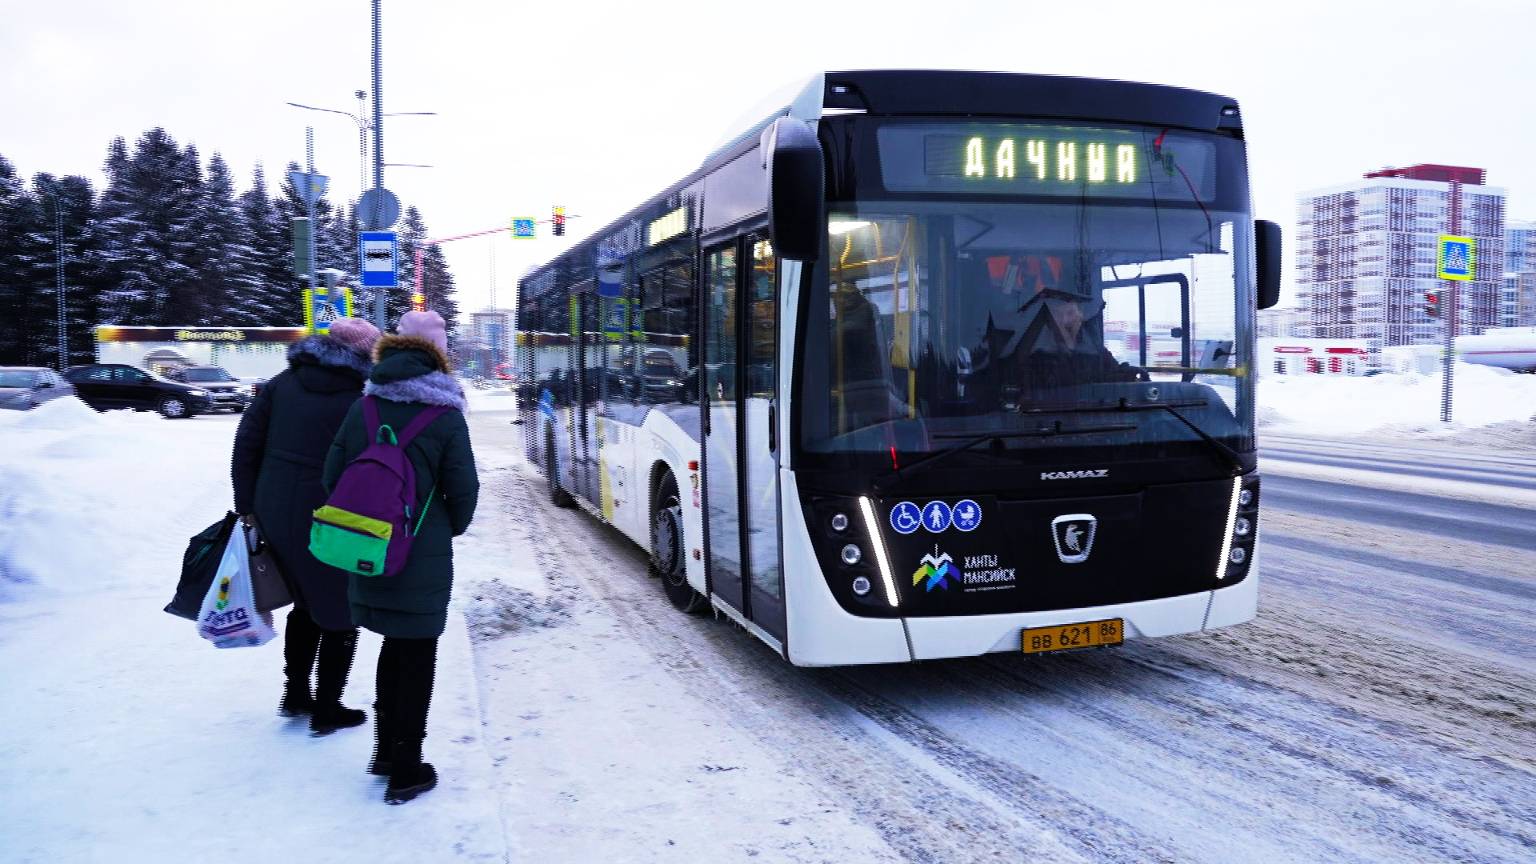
(1432, 304)
(559, 221)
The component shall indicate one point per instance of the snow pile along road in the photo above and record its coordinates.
(124, 736)
(1339, 405)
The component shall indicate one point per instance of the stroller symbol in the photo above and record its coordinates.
(906, 517)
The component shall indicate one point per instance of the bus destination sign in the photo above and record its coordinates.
(1025, 159)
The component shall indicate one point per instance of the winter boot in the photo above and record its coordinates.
(380, 764)
(300, 640)
(408, 775)
(337, 648)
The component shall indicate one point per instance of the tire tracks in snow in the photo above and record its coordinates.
(1262, 741)
(931, 797)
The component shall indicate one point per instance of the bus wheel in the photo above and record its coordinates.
(558, 496)
(668, 549)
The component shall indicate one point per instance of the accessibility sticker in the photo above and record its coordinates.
(936, 515)
(905, 517)
(967, 515)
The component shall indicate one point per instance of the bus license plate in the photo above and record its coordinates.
(1065, 637)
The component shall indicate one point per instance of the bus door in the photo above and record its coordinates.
(740, 446)
(586, 370)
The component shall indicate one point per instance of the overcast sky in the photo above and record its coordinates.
(597, 105)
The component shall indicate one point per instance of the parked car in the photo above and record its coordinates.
(105, 386)
(228, 392)
(24, 387)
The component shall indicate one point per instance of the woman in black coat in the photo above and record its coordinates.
(279, 454)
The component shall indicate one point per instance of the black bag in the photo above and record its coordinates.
(198, 567)
(266, 580)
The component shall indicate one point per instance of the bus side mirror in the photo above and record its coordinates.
(796, 189)
(1266, 250)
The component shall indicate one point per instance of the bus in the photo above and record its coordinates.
(925, 364)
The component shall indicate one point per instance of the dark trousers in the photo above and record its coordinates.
(303, 639)
(404, 686)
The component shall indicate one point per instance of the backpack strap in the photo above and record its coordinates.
(419, 423)
(371, 417)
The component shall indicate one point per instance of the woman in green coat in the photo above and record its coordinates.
(410, 609)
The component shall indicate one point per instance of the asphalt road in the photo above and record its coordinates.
(1382, 706)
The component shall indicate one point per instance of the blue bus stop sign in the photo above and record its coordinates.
(377, 258)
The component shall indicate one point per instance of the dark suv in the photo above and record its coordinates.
(104, 386)
(228, 392)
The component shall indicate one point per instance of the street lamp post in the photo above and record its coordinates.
(364, 126)
(58, 271)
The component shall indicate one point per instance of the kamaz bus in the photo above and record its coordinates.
(925, 364)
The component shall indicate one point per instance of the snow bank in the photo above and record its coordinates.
(138, 740)
(82, 493)
(1328, 405)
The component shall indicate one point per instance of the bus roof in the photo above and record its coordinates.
(957, 93)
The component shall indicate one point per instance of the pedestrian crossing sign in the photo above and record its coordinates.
(522, 229)
(1457, 258)
(324, 305)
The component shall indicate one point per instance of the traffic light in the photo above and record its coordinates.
(559, 221)
(1432, 304)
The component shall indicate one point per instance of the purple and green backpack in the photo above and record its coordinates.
(367, 523)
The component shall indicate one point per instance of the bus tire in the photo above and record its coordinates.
(668, 549)
(557, 496)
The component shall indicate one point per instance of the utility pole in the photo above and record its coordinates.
(378, 150)
(1453, 311)
(309, 198)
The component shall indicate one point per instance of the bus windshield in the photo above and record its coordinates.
(939, 320)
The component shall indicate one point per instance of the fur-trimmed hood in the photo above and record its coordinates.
(408, 369)
(325, 351)
(391, 342)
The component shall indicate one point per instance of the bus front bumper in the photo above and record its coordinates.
(934, 638)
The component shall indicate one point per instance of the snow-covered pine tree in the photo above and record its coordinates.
(83, 281)
(227, 276)
(277, 300)
(19, 252)
(439, 290)
(150, 213)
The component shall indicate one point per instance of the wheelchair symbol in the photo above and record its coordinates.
(906, 518)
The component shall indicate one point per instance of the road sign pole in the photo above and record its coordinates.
(378, 151)
(309, 198)
(1453, 296)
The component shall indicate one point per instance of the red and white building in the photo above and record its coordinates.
(1366, 254)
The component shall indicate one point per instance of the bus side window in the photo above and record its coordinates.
(677, 364)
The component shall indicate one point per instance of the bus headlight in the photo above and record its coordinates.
(1226, 537)
(877, 540)
(1242, 527)
(1238, 555)
(852, 555)
(861, 585)
(839, 522)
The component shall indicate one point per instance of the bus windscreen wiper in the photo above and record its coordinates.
(883, 481)
(1227, 453)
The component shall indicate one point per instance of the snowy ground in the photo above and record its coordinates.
(1491, 406)
(125, 737)
(1381, 708)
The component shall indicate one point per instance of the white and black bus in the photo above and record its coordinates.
(925, 364)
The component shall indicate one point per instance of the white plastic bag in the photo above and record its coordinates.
(229, 618)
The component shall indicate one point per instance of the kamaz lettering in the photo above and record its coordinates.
(1075, 475)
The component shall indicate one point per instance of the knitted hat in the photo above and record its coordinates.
(426, 325)
(355, 333)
